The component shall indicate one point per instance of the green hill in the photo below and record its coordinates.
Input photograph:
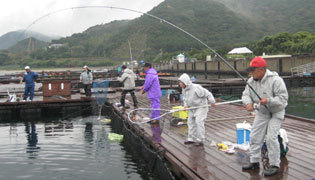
(220, 24)
(276, 16)
(210, 21)
(286, 43)
(11, 38)
(27, 45)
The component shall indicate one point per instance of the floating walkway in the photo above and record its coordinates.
(208, 162)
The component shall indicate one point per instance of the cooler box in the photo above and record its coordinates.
(243, 132)
(180, 114)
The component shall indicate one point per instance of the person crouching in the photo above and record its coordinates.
(195, 95)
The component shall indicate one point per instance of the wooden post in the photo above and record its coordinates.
(235, 67)
(195, 69)
(280, 67)
(206, 70)
(192, 69)
(219, 76)
(185, 66)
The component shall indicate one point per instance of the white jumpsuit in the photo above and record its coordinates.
(196, 95)
(268, 120)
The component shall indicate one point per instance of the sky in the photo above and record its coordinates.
(19, 14)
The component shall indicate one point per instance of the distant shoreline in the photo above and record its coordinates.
(50, 69)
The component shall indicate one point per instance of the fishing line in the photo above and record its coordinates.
(132, 113)
(155, 17)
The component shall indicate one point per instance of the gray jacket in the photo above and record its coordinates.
(195, 94)
(128, 79)
(271, 87)
(86, 77)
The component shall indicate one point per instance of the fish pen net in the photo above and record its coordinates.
(100, 87)
(155, 162)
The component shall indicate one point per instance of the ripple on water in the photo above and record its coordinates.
(67, 150)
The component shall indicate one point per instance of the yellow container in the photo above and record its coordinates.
(180, 114)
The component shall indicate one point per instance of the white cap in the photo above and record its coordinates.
(27, 67)
(85, 66)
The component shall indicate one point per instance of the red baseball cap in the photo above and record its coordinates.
(256, 62)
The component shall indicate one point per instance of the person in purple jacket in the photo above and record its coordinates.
(152, 87)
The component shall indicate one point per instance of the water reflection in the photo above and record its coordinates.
(32, 140)
(58, 128)
(197, 160)
(242, 158)
(302, 102)
(155, 127)
(156, 131)
(88, 133)
(79, 149)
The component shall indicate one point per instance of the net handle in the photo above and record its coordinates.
(172, 111)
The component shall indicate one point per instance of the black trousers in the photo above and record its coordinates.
(123, 96)
(87, 89)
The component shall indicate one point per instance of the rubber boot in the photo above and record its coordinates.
(272, 170)
(251, 166)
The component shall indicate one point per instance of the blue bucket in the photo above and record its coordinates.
(164, 92)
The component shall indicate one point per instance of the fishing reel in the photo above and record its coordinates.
(256, 106)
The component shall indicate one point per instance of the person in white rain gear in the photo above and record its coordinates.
(86, 78)
(269, 113)
(195, 95)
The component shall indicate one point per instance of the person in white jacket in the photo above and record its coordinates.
(128, 78)
(270, 113)
(195, 95)
(86, 78)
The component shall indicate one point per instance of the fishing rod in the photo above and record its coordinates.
(132, 119)
(154, 17)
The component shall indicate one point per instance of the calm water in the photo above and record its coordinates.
(302, 102)
(76, 149)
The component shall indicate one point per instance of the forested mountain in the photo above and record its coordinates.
(11, 38)
(28, 45)
(210, 21)
(276, 16)
(219, 23)
(286, 43)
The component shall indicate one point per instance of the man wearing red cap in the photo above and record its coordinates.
(270, 112)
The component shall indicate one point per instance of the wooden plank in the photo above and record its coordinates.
(210, 163)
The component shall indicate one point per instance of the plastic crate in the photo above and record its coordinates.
(180, 114)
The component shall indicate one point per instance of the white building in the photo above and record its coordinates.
(180, 58)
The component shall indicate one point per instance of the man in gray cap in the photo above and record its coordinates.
(87, 80)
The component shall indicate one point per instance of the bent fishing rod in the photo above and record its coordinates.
(154, 17)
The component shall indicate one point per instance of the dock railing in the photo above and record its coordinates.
(303, 69)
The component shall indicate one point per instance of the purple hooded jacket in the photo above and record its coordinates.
(152, 84)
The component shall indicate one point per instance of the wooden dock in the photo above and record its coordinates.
(208, 162)
(39, 108)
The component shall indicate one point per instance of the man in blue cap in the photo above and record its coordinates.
(29, 78)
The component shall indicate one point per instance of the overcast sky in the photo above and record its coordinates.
(18, 14)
